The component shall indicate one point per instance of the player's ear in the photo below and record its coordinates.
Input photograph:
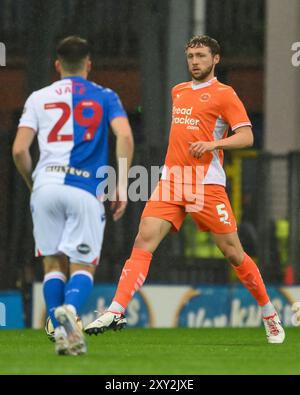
(57, 66)
(216, 59)
(89, 66)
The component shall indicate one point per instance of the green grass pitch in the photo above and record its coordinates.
(155, 351)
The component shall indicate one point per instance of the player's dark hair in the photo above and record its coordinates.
(204, 41)
(72, 51)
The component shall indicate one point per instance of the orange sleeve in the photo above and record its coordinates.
(233, 110)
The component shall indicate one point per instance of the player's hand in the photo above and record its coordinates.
(118, 206)
(199, 148)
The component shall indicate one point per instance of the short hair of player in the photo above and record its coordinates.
(72, 52)
(204, 41)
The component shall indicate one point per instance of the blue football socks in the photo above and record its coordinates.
(78, 289)
(54, 293)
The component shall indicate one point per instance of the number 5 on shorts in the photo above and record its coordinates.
(223, 214)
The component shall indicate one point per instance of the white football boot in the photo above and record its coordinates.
(106, 321)
(61, 341)
(274, 330)
(67, 319)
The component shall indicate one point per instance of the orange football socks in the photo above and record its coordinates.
(133, 275)
(249, 275)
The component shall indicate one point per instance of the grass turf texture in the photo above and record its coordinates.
(154, 351)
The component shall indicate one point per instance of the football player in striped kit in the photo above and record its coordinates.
(71, 120)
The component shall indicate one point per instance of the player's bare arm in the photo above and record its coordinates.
(21, 153)
(242, 138)
(124, 149)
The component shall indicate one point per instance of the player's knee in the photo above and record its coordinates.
(232, 254)
(55, 263)
(146, 236)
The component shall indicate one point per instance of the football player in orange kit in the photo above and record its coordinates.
(203, 111)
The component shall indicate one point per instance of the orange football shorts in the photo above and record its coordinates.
(211, 211)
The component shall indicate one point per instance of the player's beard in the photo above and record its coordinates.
(203, 74)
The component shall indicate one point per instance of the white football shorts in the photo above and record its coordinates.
(67, 220)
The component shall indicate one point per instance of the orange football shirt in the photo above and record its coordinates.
(202, 112)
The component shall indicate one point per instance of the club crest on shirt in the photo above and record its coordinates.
(205, 97)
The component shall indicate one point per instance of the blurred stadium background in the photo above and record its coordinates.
(138, 51)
